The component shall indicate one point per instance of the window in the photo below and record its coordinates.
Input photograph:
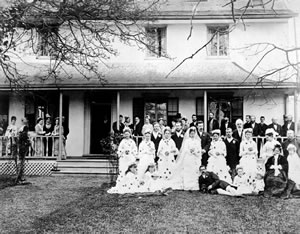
(156, 108)
(156, 42)
(220, 42)
(47, 41)
(200, 108)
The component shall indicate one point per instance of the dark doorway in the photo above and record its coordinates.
(100, 125)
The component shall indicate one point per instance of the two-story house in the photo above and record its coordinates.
(217, 79)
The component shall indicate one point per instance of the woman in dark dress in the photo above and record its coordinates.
(48, 142)
(276, 177)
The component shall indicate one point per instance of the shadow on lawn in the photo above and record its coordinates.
(97, 211)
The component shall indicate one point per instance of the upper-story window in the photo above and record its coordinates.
(220, 42)
(46, 41)
(156, 41)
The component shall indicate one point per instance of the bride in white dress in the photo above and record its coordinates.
(188, 163)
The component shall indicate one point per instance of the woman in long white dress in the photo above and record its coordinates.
(166, 152)
(188, 163)
(267, 149)
(146, 153)
(127, 151)
(248, 154)
(294, 165)
(217, 162)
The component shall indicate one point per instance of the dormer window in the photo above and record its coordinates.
(46, 41)
(156, 41)
(220, 43)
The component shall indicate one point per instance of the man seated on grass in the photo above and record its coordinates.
(209, 182)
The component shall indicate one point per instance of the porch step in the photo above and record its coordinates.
(96, 156)
(80, 166)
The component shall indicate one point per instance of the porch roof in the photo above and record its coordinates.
(152, 74)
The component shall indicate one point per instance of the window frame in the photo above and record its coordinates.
(209, 47)
(159, 39)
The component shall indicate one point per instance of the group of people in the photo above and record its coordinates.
(40, 145)
(229, 163)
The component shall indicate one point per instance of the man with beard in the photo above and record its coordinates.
(275, 126)
(212, 123)
(247, 122)
(205, 141)
(232, 149)
(254, 126)
(238, 132)
(226, 124)
(194, 121)
(288, 125)
(291, 139)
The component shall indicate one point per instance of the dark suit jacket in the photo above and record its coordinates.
(262, 129)
(121, 128)
(215, 124)
(223, 127)
(247, 125)
(233, 149)
(205, 143)
(213, 180)
(281, 161)
(255, 129)
(278, 128)
(156, 141)
(236, 135)
(178, 140)
(192, 124)
(137, 129)
(285, 128)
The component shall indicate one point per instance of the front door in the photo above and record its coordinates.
(100, 125)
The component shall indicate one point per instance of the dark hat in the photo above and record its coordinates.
(39, 119)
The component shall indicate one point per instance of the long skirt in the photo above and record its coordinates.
(275, 185)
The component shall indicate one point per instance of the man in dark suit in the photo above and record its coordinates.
(275, 126)
(212, 123)
(205, 142)
(232, 149)
(121, 125)
(226, 124)
(209, 182)
(178, 135)
(194, 121)
(137, 127)
(288, 125)
(247, 122)
(254, 126)
(238, 132)
(262, 127)
(156, 138)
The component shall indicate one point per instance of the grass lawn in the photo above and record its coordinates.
(81, 205)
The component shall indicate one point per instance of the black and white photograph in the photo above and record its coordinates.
(149, 116)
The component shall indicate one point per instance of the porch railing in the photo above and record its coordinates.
(40, 147)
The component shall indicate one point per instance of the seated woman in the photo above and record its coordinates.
(187, 166)
(216, 162)
(294, 165)
(248, 154)
(129, 183)
(241, 181)
(276, 177)
(146, 153)
(127, 151)
(166, 152)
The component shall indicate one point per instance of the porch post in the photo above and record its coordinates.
(118, 109)
(296, 111)
(205, 110)
(60, 125)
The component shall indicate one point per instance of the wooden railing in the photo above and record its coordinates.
(40, 147)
